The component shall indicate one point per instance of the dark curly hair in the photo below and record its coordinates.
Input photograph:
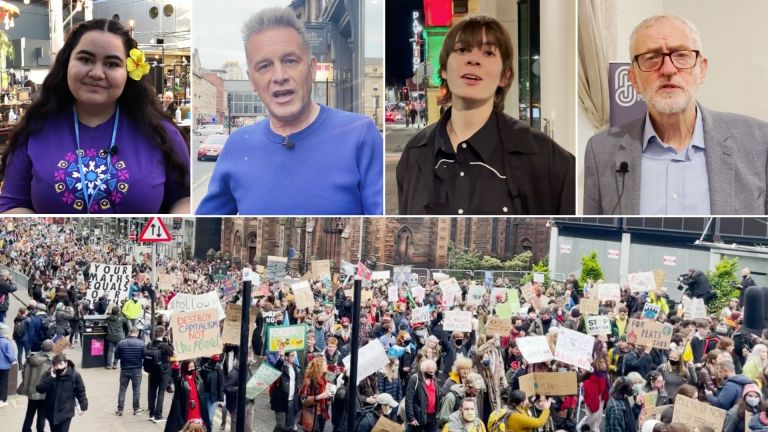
(138, 101)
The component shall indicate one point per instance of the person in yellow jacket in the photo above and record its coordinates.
(656, 298)
(132, 309)
(516, 417)
(465, 419)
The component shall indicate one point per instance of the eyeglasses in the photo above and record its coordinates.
(652, 61)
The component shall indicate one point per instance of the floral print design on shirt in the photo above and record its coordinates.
(107, 184)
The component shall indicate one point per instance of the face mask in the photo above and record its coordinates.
(752, 401)
(59, 371)
(638, 388)
(459, 342)
(469, 415)
(674, 362)
(429, 375)
(421, 333)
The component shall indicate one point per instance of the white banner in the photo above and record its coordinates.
(598, 325)
(370, 359)
(574, 348)
(609, 292)
(185, 302)
(641, 282)
(535, 349)
(457, 321)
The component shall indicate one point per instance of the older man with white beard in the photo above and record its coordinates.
(681, 158)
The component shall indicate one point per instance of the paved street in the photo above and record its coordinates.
(101, 388)
(396, 136)
(201, 171)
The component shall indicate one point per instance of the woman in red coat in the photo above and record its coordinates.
(595, 387)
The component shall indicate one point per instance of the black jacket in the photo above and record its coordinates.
(540, 173)
(177, 417)
(416, 399)
(213, 380)
(278, 399)
(61, 392)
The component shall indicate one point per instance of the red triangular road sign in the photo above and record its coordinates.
(154, 231)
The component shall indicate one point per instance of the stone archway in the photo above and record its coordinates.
(251, 246)
(403, 245)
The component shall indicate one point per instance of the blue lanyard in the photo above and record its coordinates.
(80, 161)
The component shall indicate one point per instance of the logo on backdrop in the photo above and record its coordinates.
(625, 103)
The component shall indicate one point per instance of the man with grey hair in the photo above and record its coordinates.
(422, 398)
(306, 158)
(680, 158)
(6, 288)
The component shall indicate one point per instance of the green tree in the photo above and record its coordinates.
(590, 269)
(539, 267)
(721, 281)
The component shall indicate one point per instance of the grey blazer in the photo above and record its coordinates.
(737, 161)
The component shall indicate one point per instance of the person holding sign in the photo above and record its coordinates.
(520, 419)
(284, 399)
(187, 397)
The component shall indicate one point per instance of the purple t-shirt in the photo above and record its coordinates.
(44, 174)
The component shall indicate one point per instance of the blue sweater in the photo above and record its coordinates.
(7, 353)
(334, 168)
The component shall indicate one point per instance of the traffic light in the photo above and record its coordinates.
(406, 94)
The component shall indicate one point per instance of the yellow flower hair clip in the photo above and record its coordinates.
(137, 66)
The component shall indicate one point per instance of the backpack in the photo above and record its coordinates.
(19, 329)
(152, 360)
(710, 343)
(48, 328)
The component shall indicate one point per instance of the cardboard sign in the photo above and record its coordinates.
(184, 302)
(164, 281)
(401, 275)
(648, 411)
(320, 268)
(294, 337)
(496, 326)
(549, 383)
(386, 425)
(642, 281)
(450, 285)
(692, 412)
(535, 349)
(457, 321)
(112, 281)
(371, 358)
(651, 311)
(538, 302)
(380, 275)
(475, 294)
(276, 267)
(527, 291)
(440, 276)
(511, 306)
(658, 277)
(609, 292)
(366, 295)
(264, 376)
(574, 348)
(645, 332)
(589, 306)
(302, 292)
(196, 333)
(233, 324)
(598, 325)
(420, 315)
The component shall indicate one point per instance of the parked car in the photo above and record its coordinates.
(210, 149)
(210, 129)
(389, 117)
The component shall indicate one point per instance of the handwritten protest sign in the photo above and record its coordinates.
(320, 268)
(535, 349)
(648, 411)
(294, 337)
(112, 281)
(692, 412)
(496, 326)
(371, 358)
(380, 275)
(475, 294)
(651, 311)
(694, 308)
(196, 333)
(527, 291)
(457, 321)
(641, 281)
(233, 322)
(183, 302)
(386, 425)
(302, 293)
(276, 267)
(645, 332)
(450, 285)
(598, 325)
(401, 275)
(589, 306)
(420, 315)
(538, 302)
(164, 281)
(574, 348)
(609, 292)
(549, 383)
(261, 380)
(392, 293)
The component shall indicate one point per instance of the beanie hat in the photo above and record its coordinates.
(751, 388)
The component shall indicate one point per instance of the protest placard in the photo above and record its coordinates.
(386, 425)
(392, 293)
(608, 292)
(380, 275)
(511, 306)
(450, 285)
(589, 306)
(648, 411)
(112, 281)
(645, 332)
(420, 315)
(527, 291)
(488, 279)
(233, 323)
(371, 358)
(261, 380)
(401, 275)
(195, 333)
(276, 267)
(694, 308)
(535, 349)
(574, 348)
(651, 311)
(499, 295)
(438, 277)
(549, 383)
(448, 298)
(598, 325)
(457, 321)
(418, 293)
(293, 337)
(694, 413)
(658, 277)
(164, 281)
(538, 277)
(365, 295)
(262, 290)
(641, 281)
(320, 268)
(497, 326)
(475, 294)
(183, 302)
(302, 293)
(538, 302)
